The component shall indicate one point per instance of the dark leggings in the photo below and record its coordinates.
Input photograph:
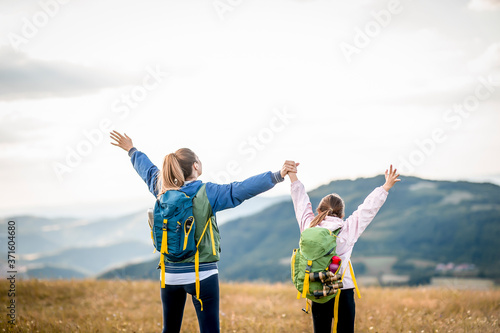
(322, 313)
(173, 299)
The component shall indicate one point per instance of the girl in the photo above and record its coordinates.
(330, 214)
(180, 172)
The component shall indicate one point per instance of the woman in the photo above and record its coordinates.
(330, 215)
(180, 171)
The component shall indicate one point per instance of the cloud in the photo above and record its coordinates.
(22, 77)
(482, 5)
(15, 128)
(488, 61)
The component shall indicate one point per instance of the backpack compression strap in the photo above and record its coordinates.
(305, 288)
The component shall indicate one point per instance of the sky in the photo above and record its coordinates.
(344, 88)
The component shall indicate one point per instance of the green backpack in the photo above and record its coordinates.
(310, 266)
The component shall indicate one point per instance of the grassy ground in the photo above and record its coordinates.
(121, 306)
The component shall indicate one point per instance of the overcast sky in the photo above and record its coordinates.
(345, 88)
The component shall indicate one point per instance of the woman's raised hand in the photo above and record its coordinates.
(122, 141)
(391, 178)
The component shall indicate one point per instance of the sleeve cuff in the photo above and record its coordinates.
(276, 176)
(132, 151)
(383, 190)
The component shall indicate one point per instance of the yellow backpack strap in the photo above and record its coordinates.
(306, 310)
(197, 264)
(164, 249)
(305, 288)
(212, 236)
(293, 262)
(164, 241)
(336, 312)
(162, 264)
(354, 280)
(197, 272)
(336, 306)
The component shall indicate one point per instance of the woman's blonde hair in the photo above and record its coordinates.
(177, 167)
(331, 205)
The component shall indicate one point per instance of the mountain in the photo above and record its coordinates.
(53, 272)
(94, 259)
(247, 208)
(38, 235)
(144, 270)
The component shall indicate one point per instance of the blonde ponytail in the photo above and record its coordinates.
(176, 168)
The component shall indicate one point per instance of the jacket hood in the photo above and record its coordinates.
(332, 223)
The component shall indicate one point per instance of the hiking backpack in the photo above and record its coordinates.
(310, 265)
(173, 230)
(310, 269)
(173, 227)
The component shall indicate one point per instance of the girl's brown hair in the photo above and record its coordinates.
(177, 167)
(331, 205)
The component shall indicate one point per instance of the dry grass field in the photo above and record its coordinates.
(134, 306)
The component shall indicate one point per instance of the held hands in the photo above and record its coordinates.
(122, 141)
(288, 168)
(391, 178)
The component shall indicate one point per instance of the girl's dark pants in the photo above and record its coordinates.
(322, 313)
(173, 299)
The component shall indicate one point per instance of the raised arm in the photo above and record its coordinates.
(142, 164)
(356, 223)
(301, 203)
(231, 195)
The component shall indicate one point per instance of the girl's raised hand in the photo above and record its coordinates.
(122, 141)
(293, 176)
(391, 178)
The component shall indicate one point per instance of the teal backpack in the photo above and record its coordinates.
(173, 231)
(173, 228)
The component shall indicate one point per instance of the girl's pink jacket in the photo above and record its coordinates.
(352, 227)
